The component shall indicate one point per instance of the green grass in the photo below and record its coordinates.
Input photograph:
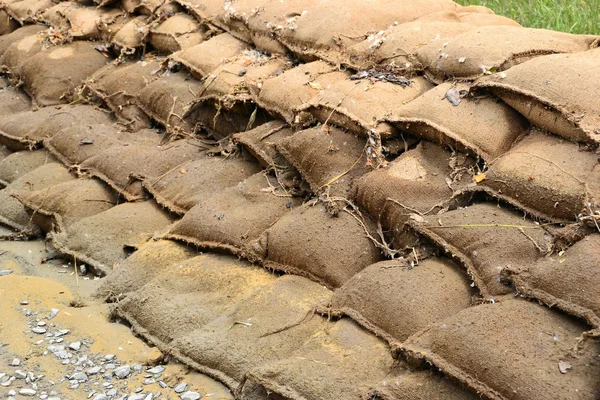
(574, 16)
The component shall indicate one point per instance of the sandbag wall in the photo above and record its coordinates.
(318, 199)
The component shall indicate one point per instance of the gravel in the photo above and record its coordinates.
(123, 372)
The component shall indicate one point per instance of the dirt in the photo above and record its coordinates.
(48, 283)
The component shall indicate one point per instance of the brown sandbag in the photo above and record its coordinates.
(190, 294)
(202, 59)
(132, 35)
(394, 49)
(7, 40)
(103, 240)
(269, 326)
(149, 261)
(486, 238)
(339, 363)
(423, 180)
(567, 280)
(496, 48)
(50, 77)
(177, 33)
(261, 141)
(553, 92)
(329, 159)
(395, 300)
(73, 145)
(28, 129)
(85, 23)
(284, 94)
(18, 53)
(230, 219)
(359, 106)
(123, 167)
(28, 11)
(205, 11)
(312, 243)
(7, 23)
(182, 188)
(546, 176)
(483, 127)
(61, 205)
(403, 384)
(13, 213)
(17, 164)
(13, 101)
(512, 350)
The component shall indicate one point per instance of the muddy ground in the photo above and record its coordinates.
(57, 341)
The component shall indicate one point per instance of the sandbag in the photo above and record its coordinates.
(284, 94)
(7, 23)
(50, 77)
(359, 106)
(28, 129)
(206, 11)
(486, 238)
(177, 33)
(329, 159)
(7, 40)
(567, 280)
(13, 213)
(27, 11)
(190, 294)
(340, 362)
(312, 243)
(149, 261)
(546, 176)
(102, 240)
(269, 326)
(13, 101)
(481, 127)
(85, 23)
(395, 300)
(512, 350)
(182, 188)
(132, 35)
(123, 167)
(496, 48)
(15, 165)
(553, 92)
(261, 141)
(228, 220)
(57, 207)
(18, 53)
(423, 180)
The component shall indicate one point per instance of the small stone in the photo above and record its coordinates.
(15, 362)
(79, 376)
(93, 370)
(41, 323)
(564, 367)
(53, 398)
(110, 366)
(181, 387)
(109, 357)
(12, 393)
(74, 386)
(75, 346)
(5, 272)
(162, 384)
(137, 367)
(149, 381)
(159, 369)
(53, 313)
(137, 396)
(27, 392)
(24, 303)
(82, 269)
(101, 396)
(20, 374)
(138, 389)
(112, 393)
(61, 332)
(123, 372)
(190, 396)
(38, 330)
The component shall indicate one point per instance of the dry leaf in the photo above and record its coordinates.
(479, 177)
(315, 85)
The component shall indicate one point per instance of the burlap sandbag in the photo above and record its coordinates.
(182, 188)
(553, 92)
(261, 141)
(57, 16)
(168, 100)
(496, 48)
(567, 280)
(103, 240)
(394, 49)
(267, 327)
(85, 23)
(394, 300)
(230, 219)
(7, 23)
(18, 53)
(312, 243)
(59, 206)
(546, 176)
(149, 261)
(7, 40)
(486, 239)
(329, 159)
(404, 384)
(205, 11)
(150, 8)
(512, 350)
(73, 145)
(132, 35)
(17, 164)
(51, 76)
(118, 86)
(204, 58)
(190, 294)
(13, 101)
(480, 126)
(423, 180)
(28, 11)
(289, 91)
(177, 33)
(359, 106)
(123, 167)
(12, 212)
(28, 129)
(339, 363)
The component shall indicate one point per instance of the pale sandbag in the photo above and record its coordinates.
(261, 141)
(28, 11)
(177, 33)
(18, 53)
(14, 165)
(7, 40)
(132, 35)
